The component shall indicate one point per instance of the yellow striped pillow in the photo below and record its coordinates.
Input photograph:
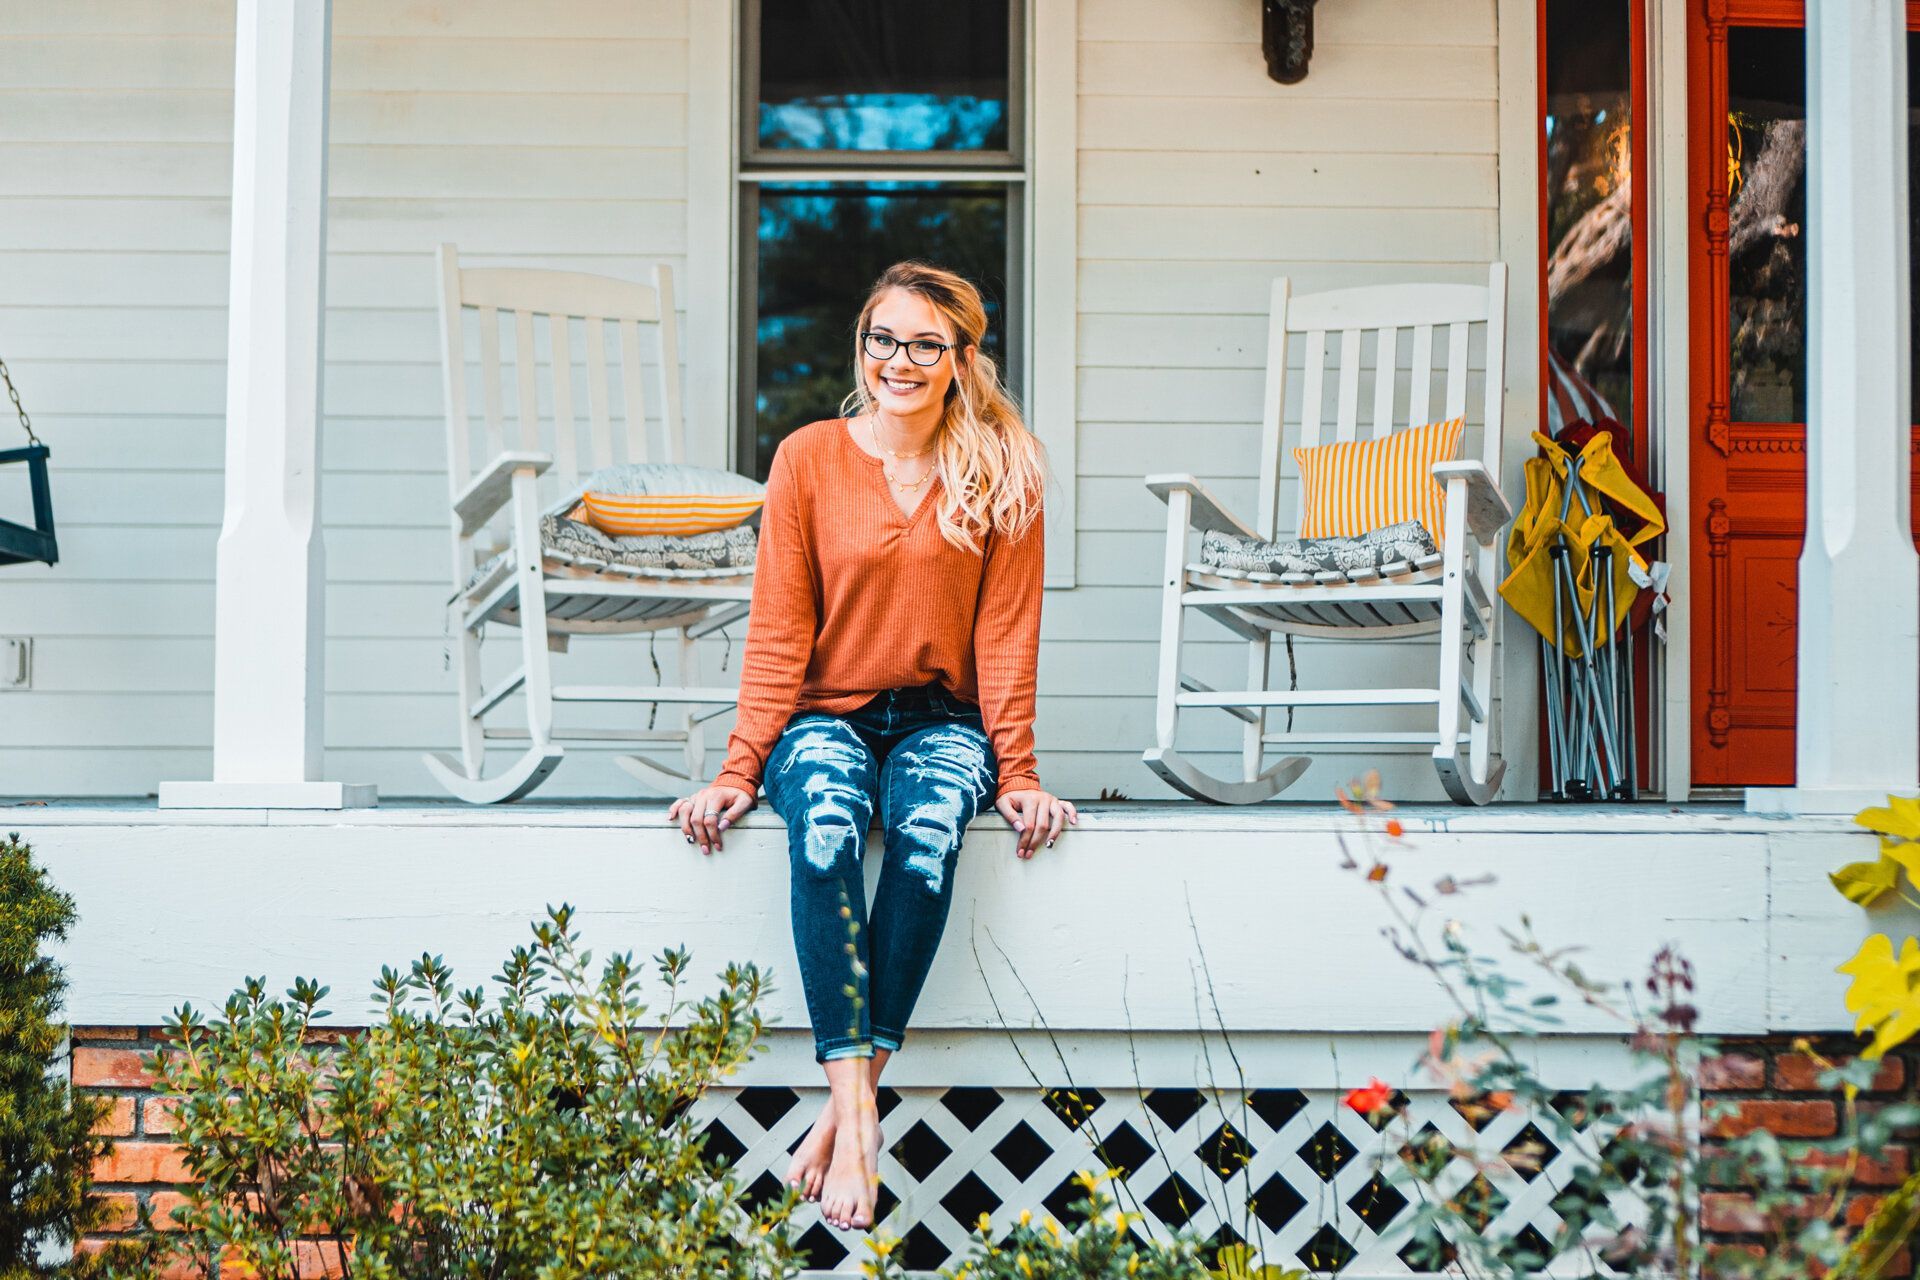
(1357, 486)
(640, 499)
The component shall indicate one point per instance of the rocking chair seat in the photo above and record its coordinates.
(725, 553)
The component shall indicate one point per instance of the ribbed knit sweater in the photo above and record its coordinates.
(852, 597)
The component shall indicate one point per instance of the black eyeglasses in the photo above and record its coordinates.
(921, 351)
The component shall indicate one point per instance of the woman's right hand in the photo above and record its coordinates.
(707, 812)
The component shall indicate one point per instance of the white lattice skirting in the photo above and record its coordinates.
(1290, 1169)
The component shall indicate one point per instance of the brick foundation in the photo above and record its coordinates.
(146, 1165)
(1768, 1084)
(1760, 1083)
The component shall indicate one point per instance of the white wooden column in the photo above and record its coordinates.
(1858, 735)
(270, 579)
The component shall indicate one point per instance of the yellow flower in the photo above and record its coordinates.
(1026, 1268)
(985, 1223)
(1026, 1217)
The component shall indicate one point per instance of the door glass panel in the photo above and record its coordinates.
(878, 75)
(1589, 206)
(821, 246)
(1767, 212)
(1766, 216)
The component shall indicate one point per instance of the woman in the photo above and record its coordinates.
(890, 665)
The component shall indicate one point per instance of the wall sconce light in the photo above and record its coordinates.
(1286, 37)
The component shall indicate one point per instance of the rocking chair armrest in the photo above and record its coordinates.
(1207, 513)
(1488, 510)
(476, 504)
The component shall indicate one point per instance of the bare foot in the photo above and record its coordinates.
(846, 1199)
(810, 1159)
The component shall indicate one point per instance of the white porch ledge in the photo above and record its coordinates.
(183, 904)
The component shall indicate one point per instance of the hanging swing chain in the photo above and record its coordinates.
(26, 423)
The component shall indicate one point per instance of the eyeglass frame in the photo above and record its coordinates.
(906, 344)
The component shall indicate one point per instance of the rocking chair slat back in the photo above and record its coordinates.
(1386, 356)
(563, 323)
(1348, 315)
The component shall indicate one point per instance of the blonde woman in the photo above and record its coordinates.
(890, 668)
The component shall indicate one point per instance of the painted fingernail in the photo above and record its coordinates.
(725, 823)
(689, 839)
(1049, 844)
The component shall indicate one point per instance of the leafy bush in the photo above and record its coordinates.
(1102, 1247)
(47, 1144)
(539, 1134)
(1632, 1210)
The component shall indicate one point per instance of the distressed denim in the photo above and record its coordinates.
(922, 758)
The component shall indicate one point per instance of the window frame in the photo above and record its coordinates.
(758, 166)
(753, 156)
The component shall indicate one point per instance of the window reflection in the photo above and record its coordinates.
(877, 75)
(1766, 220)
(820, 247)
(1589, 137)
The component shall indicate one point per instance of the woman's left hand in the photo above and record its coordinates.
(1037, 816)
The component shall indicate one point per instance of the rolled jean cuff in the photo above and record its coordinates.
(842, 1047)
(888, 1040)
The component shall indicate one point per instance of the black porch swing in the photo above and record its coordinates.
(18, 542)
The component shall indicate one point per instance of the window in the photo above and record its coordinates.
(1595, 269)
(871, 131)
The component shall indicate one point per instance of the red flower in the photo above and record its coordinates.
(1374, 1097)
(1394, 829)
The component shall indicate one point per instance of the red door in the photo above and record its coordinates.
(1749, 335)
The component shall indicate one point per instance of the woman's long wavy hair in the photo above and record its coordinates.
(992, 468)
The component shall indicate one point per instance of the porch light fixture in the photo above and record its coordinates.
(20, 543)
(1286, 38)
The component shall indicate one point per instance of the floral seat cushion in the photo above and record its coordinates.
(566, 541)
(1407, 541)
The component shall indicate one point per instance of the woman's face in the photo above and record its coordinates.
(899, 386)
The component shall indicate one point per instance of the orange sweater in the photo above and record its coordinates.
(852, 598)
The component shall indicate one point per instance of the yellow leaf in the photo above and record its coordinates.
(1883, 995)
(1904, 852)
(1867, 882)
(1900, 818)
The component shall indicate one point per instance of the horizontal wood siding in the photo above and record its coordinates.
(555, 135)
(550, 134)
(1200, 181)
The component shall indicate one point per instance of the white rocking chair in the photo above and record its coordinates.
(1450, 594)
(550, 596)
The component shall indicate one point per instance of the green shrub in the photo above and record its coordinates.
(1103, 1246)
(539, 1133)
(47, 1144)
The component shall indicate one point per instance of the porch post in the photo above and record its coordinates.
(1858, 735)
(269, 578)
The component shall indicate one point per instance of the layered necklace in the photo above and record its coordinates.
(873, 430)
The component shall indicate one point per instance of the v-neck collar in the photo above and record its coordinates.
(905, 519)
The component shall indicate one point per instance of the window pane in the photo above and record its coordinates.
(1767, 218)
(1766, 221)
(1590, 211)
(879, 75)
(820, 248)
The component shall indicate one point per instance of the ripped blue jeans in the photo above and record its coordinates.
(922, 758)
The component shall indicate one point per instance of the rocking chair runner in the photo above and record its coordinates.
(19, 543)
(550, 597)
(1449, 594)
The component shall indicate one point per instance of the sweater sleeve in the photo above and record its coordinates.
(1006, 650)
(780, 630)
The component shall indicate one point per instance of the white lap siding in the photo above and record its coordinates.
(556, 134)
(1200, 180)
(552, 134)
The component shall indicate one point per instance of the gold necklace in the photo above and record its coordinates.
(903, 486)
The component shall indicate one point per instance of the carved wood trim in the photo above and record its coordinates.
(1719, 528)
(1716, 222)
